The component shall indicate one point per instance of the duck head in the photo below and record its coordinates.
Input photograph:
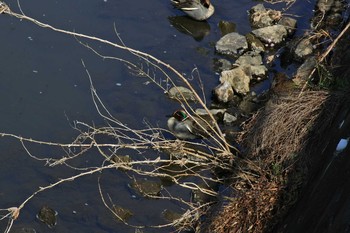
(184, 127)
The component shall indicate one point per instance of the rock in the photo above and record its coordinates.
(226, 27)
(254, 60)
(257, 8)
(181, 93)
(217, 113)
(121, 161)
(232, 44)
(221, 64)
(271, 35)
(303, 49)
(224, 92)
(289, 23)
(304, 71)
(282, 85)
(248, 105)
(254, 43)
(325, 5)
(239, 78)
(250, 58)
(123, 214)
(258, 72)
(229, 119)
(199, 196)
(171, 216)
(339, 6)
(261, 17)
(147, 187)
(47, 216)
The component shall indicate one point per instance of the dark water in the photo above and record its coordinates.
(44, 88)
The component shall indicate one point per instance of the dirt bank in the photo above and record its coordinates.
(324, 204)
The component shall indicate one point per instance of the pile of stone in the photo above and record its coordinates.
(270, 30)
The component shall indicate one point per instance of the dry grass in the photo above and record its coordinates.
(280, 130)
(269, 175)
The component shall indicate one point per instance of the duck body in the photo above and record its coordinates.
(196, 9)
(183, 127)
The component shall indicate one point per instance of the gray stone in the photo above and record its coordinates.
(247, 106)
(226, 27)
(47, 216)
(262, 17)
(254, 43)
(289, 23)
(257, 8)
(221, 64)
(232, 44)
(304, 71)
(339, 6)
(239, 78)
(250, 58)
(224, 92)
(303, 49)
(123, 213)
(271, 35)
(259, 71)
(181, 93)
(229, 119)
(254, 60)
(147, 187)
(121, 161)
(325, 5)
(217, 113)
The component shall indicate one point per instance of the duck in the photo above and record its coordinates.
(197, 9)
(185, 127)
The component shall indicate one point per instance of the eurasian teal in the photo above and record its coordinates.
(185, 127)
(196, 9)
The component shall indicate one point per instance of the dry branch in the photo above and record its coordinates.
(147, 58)
(207, 153)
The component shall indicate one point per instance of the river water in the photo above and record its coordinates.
(44, 88)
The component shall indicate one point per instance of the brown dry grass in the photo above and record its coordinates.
(269, 175)
(280, 130)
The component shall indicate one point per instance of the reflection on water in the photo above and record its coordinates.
(44, 88)
(197, 29)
